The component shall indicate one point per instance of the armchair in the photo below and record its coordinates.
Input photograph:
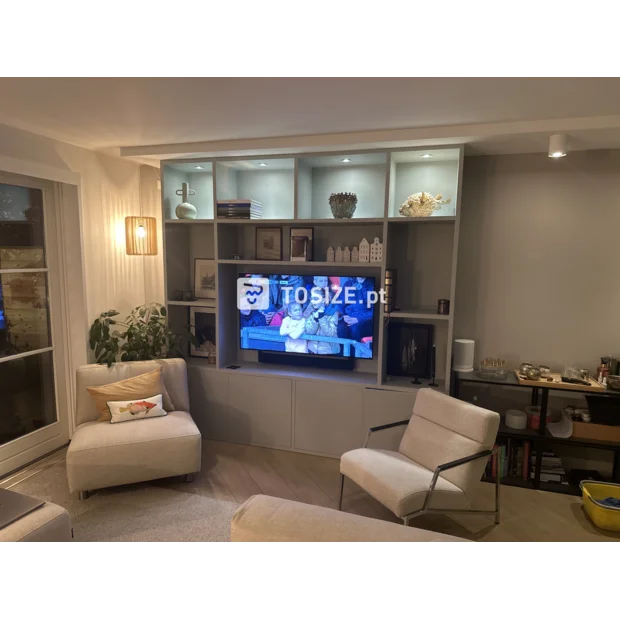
(439, 463)
(103, 455)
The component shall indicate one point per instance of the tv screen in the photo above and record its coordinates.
(309, 315)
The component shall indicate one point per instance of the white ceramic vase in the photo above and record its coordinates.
(185, 210)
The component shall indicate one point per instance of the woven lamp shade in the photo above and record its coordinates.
(141, 236)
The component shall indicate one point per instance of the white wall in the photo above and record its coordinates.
(109, 191)
(537, 275)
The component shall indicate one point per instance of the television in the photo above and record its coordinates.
(321, 316)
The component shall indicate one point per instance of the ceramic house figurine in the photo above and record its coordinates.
(346, 255)
(330, 254)
(338, 254)
(364, 251)
(376, 251)
(355, 255)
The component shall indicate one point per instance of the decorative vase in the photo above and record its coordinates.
(185, 210)
(343, 204)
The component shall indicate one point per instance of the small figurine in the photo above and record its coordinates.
(355, 255)
(364, 251)
(376, 251)
(330, 254)
(338, 254)
(346, 255)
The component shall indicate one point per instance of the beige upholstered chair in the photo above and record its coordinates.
(439, 463)
(103, 455)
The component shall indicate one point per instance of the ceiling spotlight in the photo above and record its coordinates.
(557, 145)
(199, 167)
(263, 164)
(346, 160)
(426, 156)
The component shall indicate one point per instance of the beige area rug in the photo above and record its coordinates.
(138, 512)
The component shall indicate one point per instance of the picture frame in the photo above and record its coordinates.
(202, 325)
(304, 231)
(299, 249)
(204, 278)
(269, 243)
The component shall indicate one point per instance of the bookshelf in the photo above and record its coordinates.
(294, 190)
(527, 458)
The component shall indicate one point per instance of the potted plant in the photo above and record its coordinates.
(143, 335)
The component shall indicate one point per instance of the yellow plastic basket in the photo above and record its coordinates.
(605, 517)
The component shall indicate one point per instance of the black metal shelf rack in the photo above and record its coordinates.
(541, 438)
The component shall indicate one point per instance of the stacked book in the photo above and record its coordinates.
(244, 209)
(551, 469)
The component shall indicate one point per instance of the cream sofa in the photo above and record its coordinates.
(270, 519)
(49, 523)
(104, 455)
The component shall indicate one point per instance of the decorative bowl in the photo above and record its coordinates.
(545, 371)
(613, 382)
(533, 373)
(343, 204)
(524, 367)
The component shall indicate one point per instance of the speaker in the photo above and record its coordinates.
(463, 355)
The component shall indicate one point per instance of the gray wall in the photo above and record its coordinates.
(539, 262)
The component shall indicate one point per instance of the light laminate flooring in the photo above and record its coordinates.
(235, 472)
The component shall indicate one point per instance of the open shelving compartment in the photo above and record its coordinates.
(228, 336)
(270, 181)
(199, 176)
(435, 171)
(364, 174)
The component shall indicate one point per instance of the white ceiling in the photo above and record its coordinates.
(101, 113)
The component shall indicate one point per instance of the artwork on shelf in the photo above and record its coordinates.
(343, 205)
(299, 249)
(410, 350)
(204, 279)
(422, 204)
(185, 210)
(338, 255)
(308, 233)
(202, 325)
(376, 251)
(364, 251)
(269, 243)
(331, 255)
(346, 254)
(355, 255)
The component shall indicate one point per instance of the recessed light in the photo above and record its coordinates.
(426, 156)
(199, 167)
(346, 160)
(263, 164)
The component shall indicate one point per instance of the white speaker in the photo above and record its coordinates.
(463, 355)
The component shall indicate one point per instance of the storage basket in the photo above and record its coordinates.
(605, 517)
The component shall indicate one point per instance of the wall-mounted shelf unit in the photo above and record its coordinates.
(294, 192)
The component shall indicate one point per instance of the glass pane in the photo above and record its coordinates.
(24, 316)
(21, 227)
(27, 388)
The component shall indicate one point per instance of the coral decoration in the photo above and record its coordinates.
(422, 204)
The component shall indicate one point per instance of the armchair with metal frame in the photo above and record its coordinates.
(412, 481)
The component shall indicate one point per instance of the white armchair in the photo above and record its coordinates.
(439, 463)
(103, 455)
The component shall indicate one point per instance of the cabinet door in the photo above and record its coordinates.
(260, 410)
(382, 407)
(208, 395)
(328, 417)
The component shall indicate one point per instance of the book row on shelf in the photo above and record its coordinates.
(517, 459)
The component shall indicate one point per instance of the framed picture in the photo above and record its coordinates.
(268, 243)
(202, 325)
(308, 233)
(299, 248)
(204, 278)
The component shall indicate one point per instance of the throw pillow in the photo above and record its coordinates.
(141, 386)
(128, 410)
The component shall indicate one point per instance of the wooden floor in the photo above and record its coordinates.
(236, 472)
